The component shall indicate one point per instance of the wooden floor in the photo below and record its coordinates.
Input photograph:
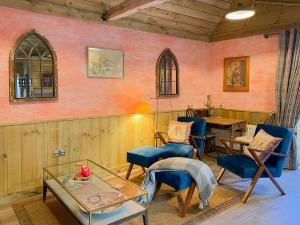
(264, 207)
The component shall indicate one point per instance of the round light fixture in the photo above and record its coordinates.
(239, 14)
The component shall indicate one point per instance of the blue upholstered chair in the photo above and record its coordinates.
(146, 156)
(246, 167)
(197, 139)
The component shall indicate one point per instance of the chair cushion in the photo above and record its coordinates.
(247, 139)
(198, 129)
(145, 156)
(177, 150)
(264, 142)
(244, 166)
(179, 132)
(179, 180)
(284, 146)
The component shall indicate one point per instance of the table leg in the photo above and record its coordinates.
(231, 132)
(90, 218)
(145, 218)
(45, 188)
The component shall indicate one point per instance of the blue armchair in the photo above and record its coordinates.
(197, 139)
(146, 156)
(246, 167)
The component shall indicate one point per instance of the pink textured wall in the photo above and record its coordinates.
(80, 96)
(263, 60)
(201, 69)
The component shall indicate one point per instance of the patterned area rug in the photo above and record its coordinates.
(163, 210)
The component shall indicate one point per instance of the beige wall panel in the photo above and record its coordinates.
(14, 160)
(40, 152)
(3, 162)
(53, 142)
(86, 142)
(27, 156)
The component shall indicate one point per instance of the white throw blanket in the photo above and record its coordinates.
(198, 170)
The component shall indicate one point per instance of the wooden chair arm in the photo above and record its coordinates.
(233, 141)
(258, 160)
(162, 132)
(161, 137)
(194, 143)
(197, 137)
(271, 153)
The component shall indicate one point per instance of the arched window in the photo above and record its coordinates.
(167, 75)
(33, 72)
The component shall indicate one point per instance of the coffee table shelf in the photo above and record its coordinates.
(94, 196)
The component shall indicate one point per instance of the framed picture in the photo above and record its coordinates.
(105, 63)
(236, 74)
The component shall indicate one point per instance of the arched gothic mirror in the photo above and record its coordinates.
(33, 72)
(167, 75)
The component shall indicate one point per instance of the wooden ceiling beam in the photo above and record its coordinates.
(128, 8)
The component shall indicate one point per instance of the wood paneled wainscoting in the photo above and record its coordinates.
(251, 117)
(28, 147)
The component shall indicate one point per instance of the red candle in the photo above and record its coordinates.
(85, 171)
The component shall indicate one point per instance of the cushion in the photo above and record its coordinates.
(179, 132)
(179, 180)
(244, 166)
(265, 142)
(247, 139)
(177, 150)
(145, 156)
(198, 129)
(284, 146)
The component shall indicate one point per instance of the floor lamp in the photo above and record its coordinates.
(156, 120)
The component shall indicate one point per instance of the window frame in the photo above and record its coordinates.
(158, 86)
(12, 91)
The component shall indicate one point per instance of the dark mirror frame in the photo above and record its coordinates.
(12, 91)
(158, 92)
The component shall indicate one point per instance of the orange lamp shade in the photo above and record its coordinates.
(143, 107)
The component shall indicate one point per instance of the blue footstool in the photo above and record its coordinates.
(145, 157)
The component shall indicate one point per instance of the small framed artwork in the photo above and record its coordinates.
(236, 74)
(105, 63)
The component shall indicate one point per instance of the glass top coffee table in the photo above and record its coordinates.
(101, 198)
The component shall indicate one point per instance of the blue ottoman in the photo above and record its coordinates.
(145, 157)
(179, 180)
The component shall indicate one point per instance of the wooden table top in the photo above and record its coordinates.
(223, 121)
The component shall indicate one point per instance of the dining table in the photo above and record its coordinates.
(229, 124)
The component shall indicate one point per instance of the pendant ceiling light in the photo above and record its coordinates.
(241, 11)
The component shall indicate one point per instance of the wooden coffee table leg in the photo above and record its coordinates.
(90, 218)
(145, 218)
(44, 191)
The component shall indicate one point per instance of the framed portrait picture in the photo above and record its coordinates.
(236, 74)
(105, 63)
